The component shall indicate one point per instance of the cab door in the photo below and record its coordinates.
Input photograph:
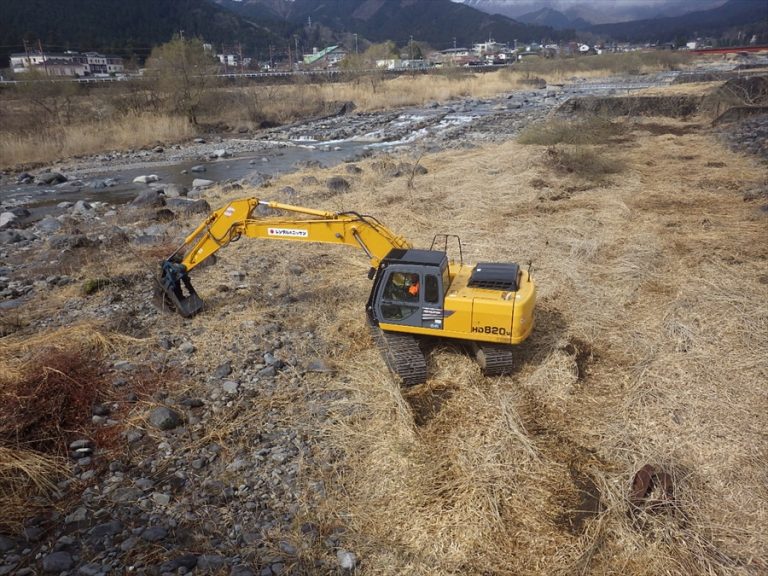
(411, 298)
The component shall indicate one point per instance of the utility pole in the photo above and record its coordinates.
(356, 51)
(45, 61)
(271, 58)
(181, 35)
(224, 58)
(290, 60)
(454, 42)
(240, 52)
(410, 48)
(296, 42)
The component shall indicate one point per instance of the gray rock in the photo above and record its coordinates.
(129, 543)
(187, 347)
(230, 386)
(107, 529)
(154, 534)
(221, 153)
(6, 544)
(187, 561)
(70, 241)
(58, 562)
(49, 178)
(91, 569)
(353, 169)
(144, 483)
(223, 370)
(241, 571)
(7, 218)
(146, 179)
(346, 560)
(48, 225)
(161, 499)
(10, 237)
(198, 168)
(165, 418)
(257, 179)
(210, 562)
(202, 183)
(199, 140)
(149, 199)
(188, 206)
(82, 443)
(83, 208)
(174, 191)
(338, 184)
(77, 516)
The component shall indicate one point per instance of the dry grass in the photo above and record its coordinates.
(49, 383)
(132, 131)
(590, 130)
(650, 347)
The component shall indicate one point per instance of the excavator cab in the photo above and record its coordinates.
(409, 289)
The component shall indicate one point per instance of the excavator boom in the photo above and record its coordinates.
(237, 219)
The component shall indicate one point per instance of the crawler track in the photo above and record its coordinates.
(403, 356)
(494, 360)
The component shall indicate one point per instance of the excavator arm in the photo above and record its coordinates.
(238, 219)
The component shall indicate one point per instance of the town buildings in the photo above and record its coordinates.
(73, 64)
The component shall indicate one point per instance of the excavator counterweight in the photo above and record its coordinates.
(415, 293)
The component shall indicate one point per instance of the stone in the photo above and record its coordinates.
(221, 153)
(6, 544)
(58, 562)
(165, 418)
(149, 199)
(83, 208)
(7, 218)
(82, 443)
(129, 543)
(346, 560)
(146, 179)
(210, 563)
(187, 347)
(338, 184)
(174, 191)
(230, 386)
(161, 499)
(223, 370)
(10, 237)
(202, 183)
(241, 571)
(49, 178)
(188, 206)
(353, 169)
(111, 528)
(49, 224)
(198, 168)
(154, 534)
(199, 140)
(91, 569)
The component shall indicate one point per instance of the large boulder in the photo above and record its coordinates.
(146, 179)
(7, 219)
(149, 199)
(187, 206)
(48, 178)
(202, 183)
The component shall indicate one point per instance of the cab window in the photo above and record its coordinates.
(431, 289)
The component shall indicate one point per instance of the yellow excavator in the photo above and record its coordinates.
(415, 294)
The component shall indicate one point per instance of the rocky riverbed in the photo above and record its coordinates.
(164, 481)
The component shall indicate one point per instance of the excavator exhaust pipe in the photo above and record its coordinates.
(170, 294)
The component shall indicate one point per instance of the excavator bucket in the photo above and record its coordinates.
(170, 294)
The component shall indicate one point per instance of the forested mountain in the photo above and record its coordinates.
(751, 16)
(436, 22)
(125, 26)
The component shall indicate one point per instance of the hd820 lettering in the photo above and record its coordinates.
(494, 330)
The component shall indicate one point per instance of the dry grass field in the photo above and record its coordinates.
(650, 348)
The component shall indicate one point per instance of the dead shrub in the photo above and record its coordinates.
(51, 401)
(583, 162)
(590, 130)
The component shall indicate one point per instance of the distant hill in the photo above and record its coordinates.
(554, 19)
(751, 14)
(124, 26)
(437, 22)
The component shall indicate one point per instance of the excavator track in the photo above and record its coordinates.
(494, 360)
(403, 356)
